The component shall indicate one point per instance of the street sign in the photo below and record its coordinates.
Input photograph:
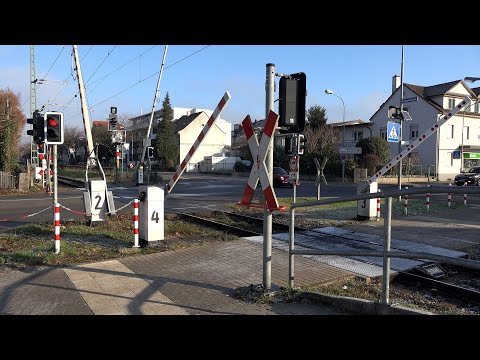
(293, 164)
(410, 99)
(131, 165)
(456, 154)
(350, 150)
(393, 131)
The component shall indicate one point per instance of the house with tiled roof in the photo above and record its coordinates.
(455, 146)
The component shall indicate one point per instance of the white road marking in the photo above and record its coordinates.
(48, 198)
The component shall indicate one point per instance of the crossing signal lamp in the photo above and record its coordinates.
(291, 108)
(301, 144)
(112, 119)
(150, 152)
(54, 128)
(37, 131)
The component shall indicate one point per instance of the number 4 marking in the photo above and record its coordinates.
(155, 218)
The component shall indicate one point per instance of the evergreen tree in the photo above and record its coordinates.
(166, 145)
(316, 116)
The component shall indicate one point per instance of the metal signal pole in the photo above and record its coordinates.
(400, 136)
(267, 215)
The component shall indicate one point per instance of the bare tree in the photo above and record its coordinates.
(73, 139)
(12, 122)
(321, 141)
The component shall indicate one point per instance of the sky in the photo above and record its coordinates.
(125, 76)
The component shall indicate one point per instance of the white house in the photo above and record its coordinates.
(187, 127)
(456, 145)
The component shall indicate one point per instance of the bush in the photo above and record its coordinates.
(170, 165)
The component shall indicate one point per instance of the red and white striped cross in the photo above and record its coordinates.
(196, 144)
(259, 153)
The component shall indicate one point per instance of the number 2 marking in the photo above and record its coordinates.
(98, 202)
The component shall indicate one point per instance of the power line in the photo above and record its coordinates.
(83, 58)
(106, 57)
(148, 77)
(45, 76)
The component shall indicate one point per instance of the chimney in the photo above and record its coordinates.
(395, 82)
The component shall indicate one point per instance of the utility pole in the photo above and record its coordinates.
(267, 215)
(33, 106)
(153, 109)
(400, 136)
(83, 100)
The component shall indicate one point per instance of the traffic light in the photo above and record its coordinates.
(291, 108)
(37, 131)
(41, 148)
(54, 127)
(112, 119)
(290, 145)
(301, 144)
(150, 152)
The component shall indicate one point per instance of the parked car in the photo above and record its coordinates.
(280, 177)
(472, 177)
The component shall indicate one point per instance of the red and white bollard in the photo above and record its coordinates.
(465, 196)
(428, 202)
(56, 223)
(449, 197)
(378, 207)
(406, 202)
(135, 222)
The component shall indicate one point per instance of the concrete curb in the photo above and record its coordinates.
(361, 306)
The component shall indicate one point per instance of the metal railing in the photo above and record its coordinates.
(386, 253)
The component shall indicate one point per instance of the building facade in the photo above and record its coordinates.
(455, 146)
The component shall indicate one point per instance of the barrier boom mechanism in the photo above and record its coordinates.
(465, 102)
(196, 144)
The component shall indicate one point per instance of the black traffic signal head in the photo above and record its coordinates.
(150, 151)
(301, 144)
(54, 127)
(290, 145)
(292, 94)
(37, 131)
(112, 122)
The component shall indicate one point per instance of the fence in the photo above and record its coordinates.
(386, 253)
(7, 180)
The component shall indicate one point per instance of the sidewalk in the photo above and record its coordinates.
(196, 280)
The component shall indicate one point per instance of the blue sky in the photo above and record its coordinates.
(360, 74)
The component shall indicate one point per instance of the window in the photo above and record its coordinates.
(451, 103)
(383, 133)
(413, 131)
(449, 159)
(450, 132)
(357, 136)
(466, 132)
(477, 107)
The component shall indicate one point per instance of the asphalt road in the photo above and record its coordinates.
(192, 193)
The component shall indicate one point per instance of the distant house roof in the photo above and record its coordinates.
(100, 123)
(427, 92)
(184, 121)
(349, 123)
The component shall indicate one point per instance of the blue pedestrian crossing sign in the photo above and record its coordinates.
(393, 131)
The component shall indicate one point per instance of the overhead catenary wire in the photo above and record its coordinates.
(104, 77)
(140, 81)
(106, 57)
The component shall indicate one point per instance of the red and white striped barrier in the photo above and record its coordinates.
(135, 223)
(465, 102)
(406, 202)
(259, 171)
(196, 144)
(378, 207)
(449, 197)
(428, 202)
(57, 228)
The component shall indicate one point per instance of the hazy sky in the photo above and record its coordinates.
(361, 75)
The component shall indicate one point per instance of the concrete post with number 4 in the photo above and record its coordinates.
(367, 209)
(151, 215)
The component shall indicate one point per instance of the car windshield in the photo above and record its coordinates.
(474, 170)
(279, 171)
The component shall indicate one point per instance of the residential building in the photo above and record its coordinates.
(188, 125)
(455, 146)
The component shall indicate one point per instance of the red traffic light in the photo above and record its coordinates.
(52, 122)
